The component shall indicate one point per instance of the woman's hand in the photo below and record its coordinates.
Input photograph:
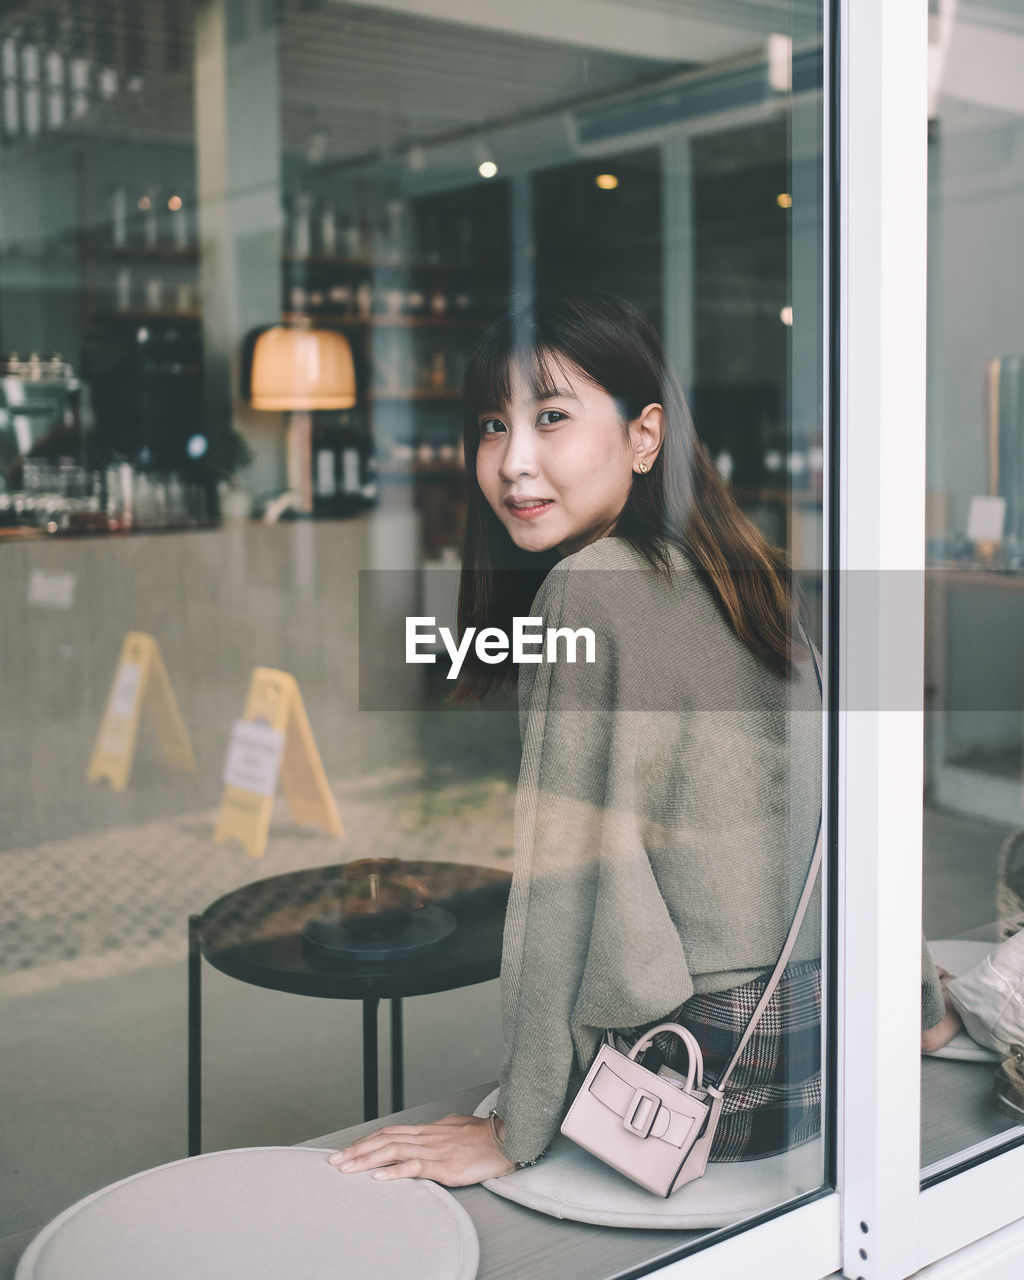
(944, 1031)
(456, 1152)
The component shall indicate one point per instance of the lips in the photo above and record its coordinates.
(528, 508)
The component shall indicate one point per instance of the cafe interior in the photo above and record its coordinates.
(246, 250)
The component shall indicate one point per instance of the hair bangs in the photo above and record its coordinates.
(513, 347)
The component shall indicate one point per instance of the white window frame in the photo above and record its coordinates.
(882, 222)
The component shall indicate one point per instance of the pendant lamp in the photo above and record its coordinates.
(299, 369)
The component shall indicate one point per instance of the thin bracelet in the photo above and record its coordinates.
(493, 1117)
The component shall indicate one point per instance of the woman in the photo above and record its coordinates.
(669, 793)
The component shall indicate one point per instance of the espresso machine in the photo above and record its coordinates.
(45, 418)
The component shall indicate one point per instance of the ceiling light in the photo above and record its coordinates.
(786, 315)
(607, 181)
(298, 368)
(487, 169)
(784, 200)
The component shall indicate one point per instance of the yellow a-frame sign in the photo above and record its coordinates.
(273, 741)
(141, 680)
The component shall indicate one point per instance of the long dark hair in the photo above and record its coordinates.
(682, 499)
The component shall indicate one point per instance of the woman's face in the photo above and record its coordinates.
(557, 470)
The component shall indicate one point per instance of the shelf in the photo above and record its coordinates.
(146, 252)
(321, 260)
(370, 264)
(21, 532)
(136, 314)
(382, 322)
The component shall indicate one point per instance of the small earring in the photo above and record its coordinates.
(642, 467)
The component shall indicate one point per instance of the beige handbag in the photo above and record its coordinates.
(657, 1129)
(651, 1128)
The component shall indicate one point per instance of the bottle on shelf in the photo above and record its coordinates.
(181, 220)
(391, 234)
(428, 226)
(119, 217)
(351, 479)
(301, 229)
(340, 297)
(438, 371)
(344, 472)
(123, 289)
(328, 229)
(350, 239)
(465, 237)
(149, 204)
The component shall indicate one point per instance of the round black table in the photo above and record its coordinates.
(254, 934)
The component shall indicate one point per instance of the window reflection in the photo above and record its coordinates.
(186, 503)
(974, 693)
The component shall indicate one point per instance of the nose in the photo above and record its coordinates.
(518, 458)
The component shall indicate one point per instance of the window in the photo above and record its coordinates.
(973, 798)
(205, 571)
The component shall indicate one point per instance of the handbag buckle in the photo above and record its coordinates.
(638, 1118)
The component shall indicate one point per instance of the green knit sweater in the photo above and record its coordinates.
(666, 813)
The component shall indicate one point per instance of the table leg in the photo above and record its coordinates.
(397, 1063)
(371, 1107)
(195, 1033)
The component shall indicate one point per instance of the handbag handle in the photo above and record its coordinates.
(798, 918)
(695, 1059)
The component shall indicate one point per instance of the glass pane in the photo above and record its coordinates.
(247, 253)
(974, 693)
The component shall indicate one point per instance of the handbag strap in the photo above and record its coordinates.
(794, 928)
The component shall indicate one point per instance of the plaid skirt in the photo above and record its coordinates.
(773, 1098)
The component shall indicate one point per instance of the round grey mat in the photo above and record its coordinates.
(571, 1183)
(258, 1212)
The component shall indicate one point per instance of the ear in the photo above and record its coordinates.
(646, 433)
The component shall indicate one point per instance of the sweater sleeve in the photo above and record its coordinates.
(933, 1004)
(561, 823)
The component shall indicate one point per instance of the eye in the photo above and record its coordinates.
(491, 426)
(551, 417)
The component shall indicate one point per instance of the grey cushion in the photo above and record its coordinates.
(258, 1212)
(571, 1183)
